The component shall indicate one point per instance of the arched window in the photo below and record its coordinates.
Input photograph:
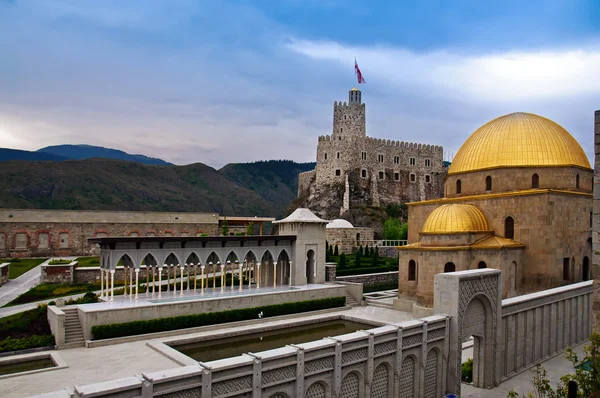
(488, 183)
(535, 181)
(586, 269)
(509, 228)
(412, 270)
(458, 186)
(577, 181)
(481, 265)
(449, 267)
(357, 238)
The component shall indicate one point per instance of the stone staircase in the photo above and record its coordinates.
(351, 301)
(73, 329)
(383, 303)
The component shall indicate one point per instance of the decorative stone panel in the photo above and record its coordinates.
(350, 386)
(407, 378)
(381, 377)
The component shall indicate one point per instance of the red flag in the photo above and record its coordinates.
(359, 75)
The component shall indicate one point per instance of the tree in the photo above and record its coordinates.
(362, 250)
(357, 258)
(375, 257)
(336, 251)
(225, 227)
(342, 261)
(250, 229)
(394, 229)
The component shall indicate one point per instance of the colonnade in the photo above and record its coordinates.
(249, 271)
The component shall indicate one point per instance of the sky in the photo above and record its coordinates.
(218, 82)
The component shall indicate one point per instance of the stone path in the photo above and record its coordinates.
(521, 383)
(15, 287)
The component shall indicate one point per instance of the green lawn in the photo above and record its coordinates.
(88, 261)
(18, 266)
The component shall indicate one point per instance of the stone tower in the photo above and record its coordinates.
(349, 118)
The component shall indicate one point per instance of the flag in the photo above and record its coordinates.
(359, 75)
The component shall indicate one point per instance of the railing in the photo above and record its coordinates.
(382, 243)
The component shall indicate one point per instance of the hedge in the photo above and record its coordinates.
(365, 270)
(113, 330)
(10, 344)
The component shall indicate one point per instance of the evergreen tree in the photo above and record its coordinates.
(250, 229)
(336, 251)
(225, 227)
(361, 250)
(374, 257)
(342, 261)
(357, 256)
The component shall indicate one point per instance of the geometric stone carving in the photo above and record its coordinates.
(232, 385)
(279, 374)
(316, 390)
(319, 364)
(407, 378)
(436, 334)
(474, 321)
(360, 354)
(411, 340)
(350, 386)
(431, 371)
(195, 392)
(381, 377)
(388, 346)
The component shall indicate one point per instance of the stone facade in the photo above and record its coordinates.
(55, 233)
(377, 171)
(348, 239)
(4, 273)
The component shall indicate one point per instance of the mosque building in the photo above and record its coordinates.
(517, 197)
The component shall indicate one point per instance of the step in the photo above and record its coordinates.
(375, 303)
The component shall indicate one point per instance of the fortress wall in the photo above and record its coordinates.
(304, 180)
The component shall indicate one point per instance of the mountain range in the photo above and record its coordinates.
(75, 152)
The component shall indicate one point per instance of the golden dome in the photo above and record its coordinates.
(354, 89)
(455, 218)
(518, 139)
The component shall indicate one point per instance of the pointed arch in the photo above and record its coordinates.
(249, 256)
(192, 258)
(283, 255)
(232, 256)
(172, 258)
(212, 257)
(125, 260)
(267, 256)
(352, 385)
(409, 375)
(149, 259)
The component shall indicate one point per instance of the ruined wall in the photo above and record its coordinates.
(304, 180)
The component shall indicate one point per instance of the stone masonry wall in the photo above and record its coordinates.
(370, 279)
(596, 224)
(42, 239)
(4, 273)
(304, 180)
(346, 238)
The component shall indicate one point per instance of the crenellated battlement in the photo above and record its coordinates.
(389, 143)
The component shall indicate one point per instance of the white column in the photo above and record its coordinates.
(124, 281)
(258, 275)
(101, 282)
(202, 279)
(154, 278)
(137, 274)
(187, 266)
(241, 275)
(159, 281)
(131, 281)
(112, 284)
(222, 276)
(195, 276)
(106, 285)
(174, 279)
(274, 274)
(181, 290)
(290, 273)
(212, 268)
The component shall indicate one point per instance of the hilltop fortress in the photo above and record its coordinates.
(354, 169)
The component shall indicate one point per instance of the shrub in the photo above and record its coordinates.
(10, 344)
(342, 262)
(211, 318)
(336, 251)
(59, 261)
(357, 259)
(375, 257)
(378, 287)
(467, 371)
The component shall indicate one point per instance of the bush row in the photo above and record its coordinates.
(378, 287)
(10, 344)
(211, 318)
(365, 270)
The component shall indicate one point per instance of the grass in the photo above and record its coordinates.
(18, 266)
(59, 262)
(47, 291)
(88, 261)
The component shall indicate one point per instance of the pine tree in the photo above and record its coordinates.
(336, 251)
(357, 256)
(342, 261)
(374, 257)
(361, 250)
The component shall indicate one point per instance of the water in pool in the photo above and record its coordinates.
(212, 350)
(26, 366)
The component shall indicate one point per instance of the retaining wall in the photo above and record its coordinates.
(370, 279)
(4, 269)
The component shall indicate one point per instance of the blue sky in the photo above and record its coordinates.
(234, 81)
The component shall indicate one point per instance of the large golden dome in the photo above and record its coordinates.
(518, 139)
(455, 218)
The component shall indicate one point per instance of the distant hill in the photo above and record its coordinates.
(261, 188)
(78, 152)
(16, 154)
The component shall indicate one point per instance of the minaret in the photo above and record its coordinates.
(349, 117)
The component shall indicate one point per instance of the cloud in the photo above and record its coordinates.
(503, 77)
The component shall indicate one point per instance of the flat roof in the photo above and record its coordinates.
(162, 239)
(255, 218)
(105, 216)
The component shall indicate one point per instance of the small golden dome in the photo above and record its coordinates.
(455, 218)
(354, 89)
(518, 139)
